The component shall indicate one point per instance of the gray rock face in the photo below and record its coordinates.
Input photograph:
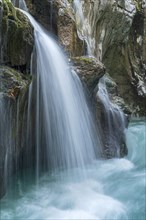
(115, 32)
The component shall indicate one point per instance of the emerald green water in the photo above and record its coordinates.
(112, 189)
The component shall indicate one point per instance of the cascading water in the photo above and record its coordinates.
(20, 4)
(113, 119)
(113, 123)
(84, 28)
(7, 142)
(113, 189)
(64, 130)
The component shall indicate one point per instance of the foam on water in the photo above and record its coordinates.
(113, 189)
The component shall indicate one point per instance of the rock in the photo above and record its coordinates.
(45, 12)
(110, 122)
(13, 102)
(16, 37)
(117, 37)
(111, 119)
(12, 82)
(58, 17)
(67, 32)
(89, 69)
(114, 95)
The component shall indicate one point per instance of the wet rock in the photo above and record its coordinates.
(12, 82)
(45, 12)
(111, 119)
(13, 105)
(58, 17)
(89, 69)
(114, 96)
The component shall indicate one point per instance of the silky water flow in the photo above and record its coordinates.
(112, 189)
(62, 116)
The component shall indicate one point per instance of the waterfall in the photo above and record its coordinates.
(20, 4)
(54, 125)
(63, 131)
(113, 124)
(7, 142)
(113, 119)
(84, 28)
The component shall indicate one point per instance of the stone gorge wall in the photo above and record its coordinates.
(117, 38)
(115, 30)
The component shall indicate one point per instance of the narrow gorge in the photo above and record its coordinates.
(72, 109)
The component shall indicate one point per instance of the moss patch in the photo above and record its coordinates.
(12, 82)
(17, 36)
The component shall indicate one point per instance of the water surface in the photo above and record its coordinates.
(112, 189)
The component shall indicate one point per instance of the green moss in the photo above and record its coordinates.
(138, 4)
(9, 9)
(87, 60)
(12, 81)
(16, 35)
(70, 1)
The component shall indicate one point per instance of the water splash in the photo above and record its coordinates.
(114, 189)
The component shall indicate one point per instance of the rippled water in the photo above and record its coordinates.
(112, 189)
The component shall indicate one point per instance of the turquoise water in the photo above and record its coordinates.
(112, 189)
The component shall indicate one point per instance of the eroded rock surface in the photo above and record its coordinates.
(115, 33)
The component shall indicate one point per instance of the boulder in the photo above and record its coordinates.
(111, 122)
(12, 82)
(89, 69)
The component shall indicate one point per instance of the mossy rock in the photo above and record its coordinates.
(12, 82)
(89, 69)
(17, 36)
